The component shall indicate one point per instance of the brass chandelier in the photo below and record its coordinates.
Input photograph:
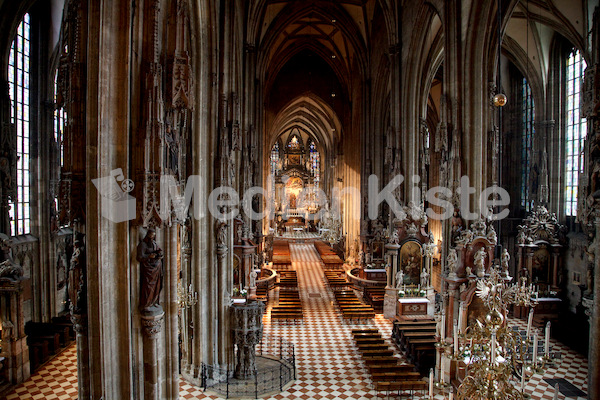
(498, 359)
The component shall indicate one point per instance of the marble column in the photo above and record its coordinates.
(391, 293)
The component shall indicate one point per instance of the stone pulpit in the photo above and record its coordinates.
(247, 333)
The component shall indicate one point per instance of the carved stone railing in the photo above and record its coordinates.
(269, 280)
(360, 282)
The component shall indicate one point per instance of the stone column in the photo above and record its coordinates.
(153, 353)
(83, 370)
(391, 293)
(594, 314)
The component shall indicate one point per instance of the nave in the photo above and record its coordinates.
(327, 361)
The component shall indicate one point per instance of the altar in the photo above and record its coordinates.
(409, 306)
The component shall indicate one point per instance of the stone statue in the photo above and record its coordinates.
(452, 262)
(221, 234)
(8, 268)
(480, 262)
(505, 259)
(252, 276)
(77, 277)
(424, 279)
(361, 258)
(468, 271)
(399, 278)
(150, 258)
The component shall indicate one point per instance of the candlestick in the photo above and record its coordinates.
(547, 340)
(460, 317)
(493, 348)
(431, 383)
(441, 370)
(556, 390)
(455, 338)
(451, 395)
(529, 322)
(535, 347)
(443, 328)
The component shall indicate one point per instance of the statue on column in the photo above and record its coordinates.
(424, 279)
(76, 290)
(399, 278)
(452, 262)
(8, 268)
(150, 257)
(480, 262)
(505, 259)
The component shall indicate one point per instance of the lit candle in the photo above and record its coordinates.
(529, 322)
(455, 338)
(442, 370)
(535, 347)
(443, 327)
(431, 383)
(493, 348)
(547, 340)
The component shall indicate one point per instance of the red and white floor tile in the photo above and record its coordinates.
(328, 364)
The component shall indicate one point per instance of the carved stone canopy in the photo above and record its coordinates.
(541, 226)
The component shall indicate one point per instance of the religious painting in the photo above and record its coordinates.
(540, 266)
(295, 159)
(411, 262)
(377, 250)
(477, 311)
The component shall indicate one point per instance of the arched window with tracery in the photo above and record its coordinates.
(315, 163)
(576, 129)
(19, 90)
(527, 133)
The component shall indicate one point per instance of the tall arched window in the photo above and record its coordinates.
(576, 129)
(19, 83)
(527, 132)
(315, 163)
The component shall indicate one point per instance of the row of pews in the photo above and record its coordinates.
(48, 339)
(329, 257)
(289, 307)
(335, 279)
(351, 308)
(282, 259)
(374, 296)
(387, 374)
(417, 338)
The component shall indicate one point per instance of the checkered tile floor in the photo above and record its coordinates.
(328, 365)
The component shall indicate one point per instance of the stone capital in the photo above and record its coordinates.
(152, 325)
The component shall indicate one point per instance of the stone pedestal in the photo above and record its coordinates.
(83, 370)
(247, 333)
(389, 303)
(153, 353)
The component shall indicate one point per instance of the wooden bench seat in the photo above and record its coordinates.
(395, 376)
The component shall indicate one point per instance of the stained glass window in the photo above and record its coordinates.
(19, 82)
(315, 163)
(576, 130)
(59, 123)
(294, 143)
(528, 130)
(274, 158)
